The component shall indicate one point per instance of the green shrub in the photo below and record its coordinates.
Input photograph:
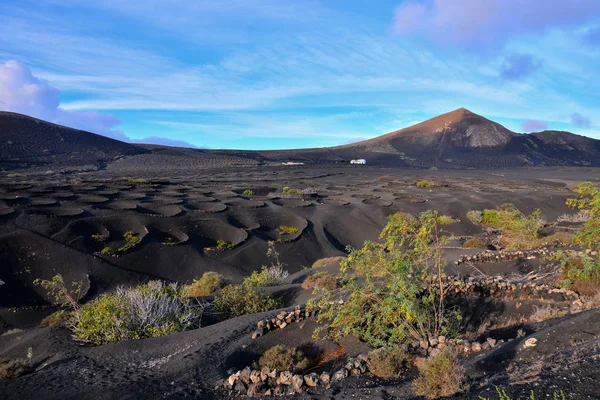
(224, 245)
(11, 368)
(503, 395)
(107, 251)
(284, 358)
(236, 300)
(427, 184)
(288, 230)
(578, 272)
(320, 280)
(207, 285)
(387, 362)
(393, 302)
(99, 237)
(588, 202)
(272, 275)
(440, 376)
(519, 231)
(150, 310)
(288, 190)
(248, 192)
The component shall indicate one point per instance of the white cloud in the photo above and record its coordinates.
(23, 93)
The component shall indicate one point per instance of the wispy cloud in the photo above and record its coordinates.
(477, 24)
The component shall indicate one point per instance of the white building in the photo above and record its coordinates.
(359, 161)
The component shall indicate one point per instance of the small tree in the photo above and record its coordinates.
(587, 202)
(57, 288)
(402, 293)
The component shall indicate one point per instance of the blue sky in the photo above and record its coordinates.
(260, 74)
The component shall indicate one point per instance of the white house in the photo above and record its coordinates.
(359, 161)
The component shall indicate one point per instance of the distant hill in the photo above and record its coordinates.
(29, 142)
(458, 139)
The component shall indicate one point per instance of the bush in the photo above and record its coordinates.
(207, 285)
(284, 358)
(273, 275)
(60, 317)
(387, 362)
(224, 245)
(440, 376)
(588, 203)
(427, 184)
(150, 310)
(323, 262)
(11, 368)
(320, 280)
(519, 231)
(288, 190)
(248, 192)
(474, 243)
(398, 298)
(288, 230)
(578, 272)
(237, 300)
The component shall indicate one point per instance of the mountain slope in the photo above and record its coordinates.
(463, 139)
(27, 141)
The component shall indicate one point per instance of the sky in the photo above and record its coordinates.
(273, 74)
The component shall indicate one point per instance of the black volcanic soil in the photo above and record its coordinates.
(47, 223)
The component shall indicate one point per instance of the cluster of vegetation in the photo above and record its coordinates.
(224, 245)
(11, 368)
(321, 281)
(395, 292)
(284, 358)
(588, 203)
(427, 184)
(150, 310)
(474, 243)
(99, 237)
(60, 317)
(137, 180)
(503, 395)
(248, 192)
(327, 261)
(209, 284)
(519, 231)
(288, 190)
(272, 275)
(288, 230)
(388, 362)
(578, 272)
(236, 300)
(440, 376)
(131, 239)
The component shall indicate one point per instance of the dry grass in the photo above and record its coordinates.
(14, 367)
(323, 262)
(440, 376)
(60, 317)
(209, 284)
(320, 280)
(284, 358)
(474, 243)
(545, 313)
(387, 362)
(12, 331)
